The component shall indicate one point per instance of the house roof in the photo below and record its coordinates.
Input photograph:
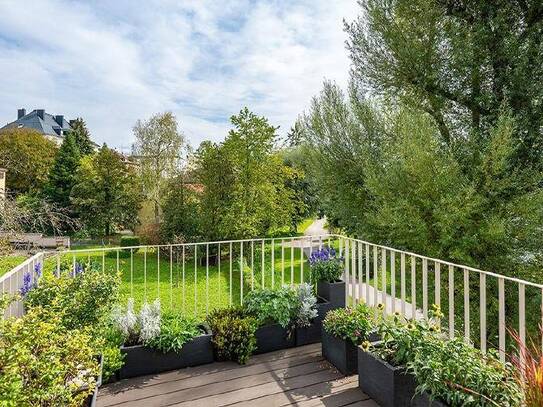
(44, 123)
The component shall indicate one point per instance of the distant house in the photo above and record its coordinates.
(52, 127)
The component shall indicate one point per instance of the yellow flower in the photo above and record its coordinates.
(365, 346)
(380, 306)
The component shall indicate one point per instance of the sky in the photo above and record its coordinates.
(114, 62)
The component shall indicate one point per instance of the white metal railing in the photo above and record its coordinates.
(197, 277)
(12, 282)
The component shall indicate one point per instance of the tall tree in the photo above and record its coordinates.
(28, 156)
(461, 61)
(159, 149)
(82, 136)
(106, 193)
(62, 175)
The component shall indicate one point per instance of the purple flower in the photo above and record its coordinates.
(28, 282)
(324, 254)
(78, 269)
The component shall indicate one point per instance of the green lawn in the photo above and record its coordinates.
(9, 262)
(182, 288)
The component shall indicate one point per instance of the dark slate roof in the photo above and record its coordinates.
(47, 125)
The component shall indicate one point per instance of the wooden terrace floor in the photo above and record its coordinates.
(297, 376)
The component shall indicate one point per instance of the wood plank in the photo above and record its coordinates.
(216, 367)
(335, 393)
(131, 394)
(281, 386)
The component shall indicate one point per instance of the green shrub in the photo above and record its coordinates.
(44, 364)
(233, 334)
(325, 266)
(128, 241)
(175, 331)
(273, 305)
(450, 370)
(349, 323)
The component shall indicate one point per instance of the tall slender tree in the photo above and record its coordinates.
(82, 136)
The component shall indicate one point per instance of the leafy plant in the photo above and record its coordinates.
(349, 323)
(325, 266)
(175, 331)
(530, 370)
(233, 334)
(273, 305)
(137, 328)
(307, 305)
(450, 370)
(43, 363)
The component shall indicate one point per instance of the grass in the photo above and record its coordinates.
(9, 262)
(302, 227)
(147, 275)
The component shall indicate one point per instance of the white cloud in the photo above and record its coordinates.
(115, 62)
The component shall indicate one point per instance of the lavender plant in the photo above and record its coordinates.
(325, 265)
(30, 282)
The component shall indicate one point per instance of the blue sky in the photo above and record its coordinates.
(113, 62)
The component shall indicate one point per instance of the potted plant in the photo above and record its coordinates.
(343, 329)
(90, 401)
(326, 272)
(310, 315)
(414, 364)
(275, 312)
(233, 334)
(157, 342)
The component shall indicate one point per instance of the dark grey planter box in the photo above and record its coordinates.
(424, 400)
(340, 352)
(273, 337)
(312, 333)
(140, 360)
(388, 385)
(332, 292)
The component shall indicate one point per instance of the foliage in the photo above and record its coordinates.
(462, 63)
(106, 193)
(325, 266)
(62, 176)
(450, 370)
(181, 212)
(233, 334)
(43, 363)
(245, 182)
(130, 241)
(268, 305)
(138, 328)
(28, 156)
(307, 305)
(349, 323)
(82, 136)
(175, 331)
(82, 301)
(529, 371)
(158, 146)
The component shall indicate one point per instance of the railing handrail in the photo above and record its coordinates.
(15, 269)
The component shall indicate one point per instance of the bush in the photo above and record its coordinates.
(450, 370)
(307, 305)
(353, 324)
(175, 331)
(273, 305)
(325, 266)
(44, 364)
(137, 328)
(233, 334)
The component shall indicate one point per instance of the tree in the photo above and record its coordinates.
(82, 136)
(159, 148)
(28, 156)
(106, 193)
(459, 61)
(62, 175)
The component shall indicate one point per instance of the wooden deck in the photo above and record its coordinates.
(297, 376)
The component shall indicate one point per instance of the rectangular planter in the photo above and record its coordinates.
(90, 401)
(273, 337)
(388, 385)
(312, 333)
(140, 360)
(339, 352)
(332, 292)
